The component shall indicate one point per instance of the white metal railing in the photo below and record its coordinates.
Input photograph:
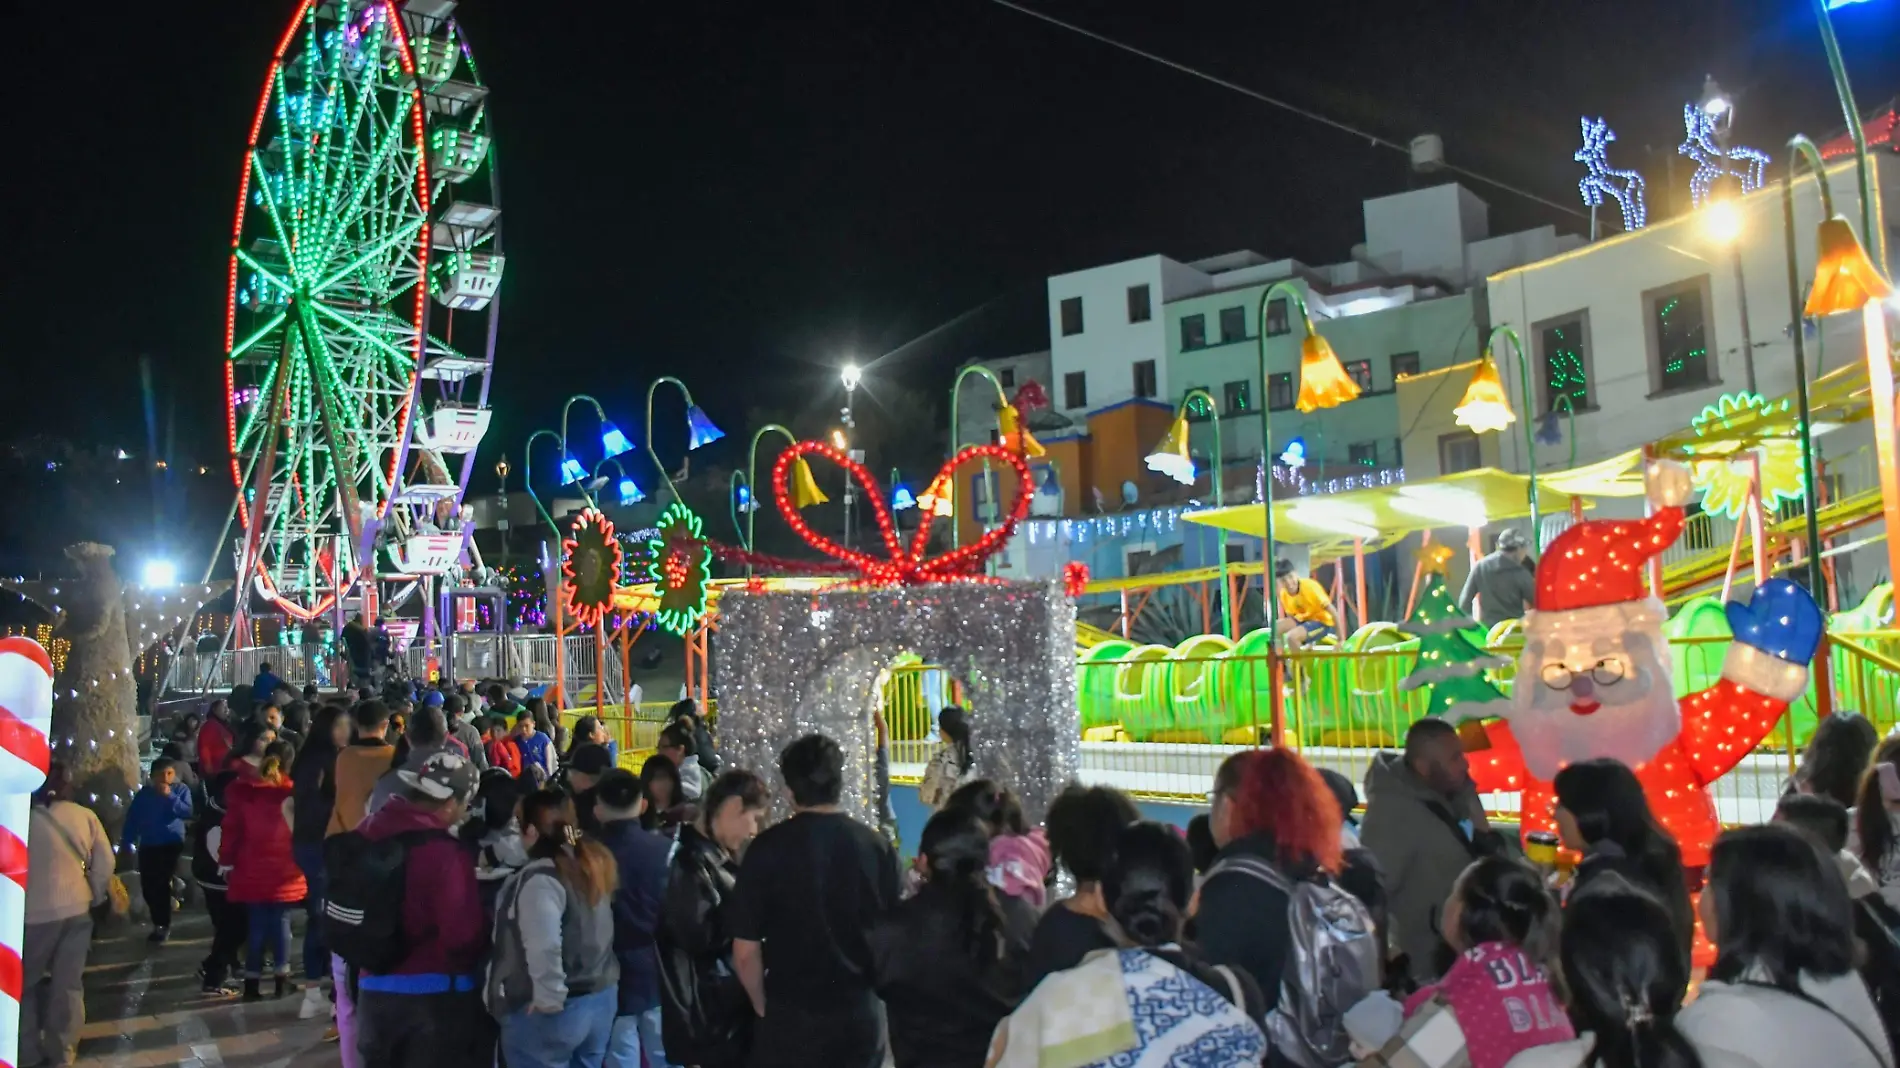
(528, 657)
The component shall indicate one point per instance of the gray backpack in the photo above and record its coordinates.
(1333, 962)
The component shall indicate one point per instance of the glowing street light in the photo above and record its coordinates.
(851, 375)
(1722, 221)
(159, 574)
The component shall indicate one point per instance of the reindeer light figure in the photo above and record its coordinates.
(1603, 179)
(1712, 160)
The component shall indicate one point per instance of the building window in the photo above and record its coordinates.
(1459, 452)
(1075, 389)
(1360, 371)
(1563, 363)
(1280, 391)
(1678, 333)
(1237, 396)
(1364, 453)
(1144, 378)
(1193, 332)
(1236, 553)
(1199, 408)
(1071, 316)
(1403, 363)
(1007, 376)
(1233, 324)
(1276, 317)
(1139, 310)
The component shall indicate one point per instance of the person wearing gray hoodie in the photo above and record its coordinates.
(1424, 824)
(1783, 990)
(1501, 583)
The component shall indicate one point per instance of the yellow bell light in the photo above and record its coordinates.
(1016, 436)
(1324, 382)
(805, 491)
(1485, 407)
(1170, 456)
(936, 499)
(1844, 278)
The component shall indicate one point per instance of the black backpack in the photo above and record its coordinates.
(362, 909)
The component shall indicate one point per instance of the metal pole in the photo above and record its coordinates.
(1869, 217)
(1800, 147)
(1214, 475)
(1530, 438)
(651, 389)
(527, 476)
(751, 481)
(956, 387)
(1741, 300)
(600, 414)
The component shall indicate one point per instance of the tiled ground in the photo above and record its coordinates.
(143, 1008)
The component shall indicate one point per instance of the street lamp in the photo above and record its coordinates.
(1323, 383)
(942, 497)
(1869, 213)
(1844, 280)
(1486, 407)
(699, 429)
(1171, 458)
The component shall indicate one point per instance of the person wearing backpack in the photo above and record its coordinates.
(553, 981)
(70, 859)
(1270, 907)
(405, 917)
(1150, 1001)
(230, 927)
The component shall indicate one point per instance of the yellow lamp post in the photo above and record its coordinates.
(1486, 408)
(1171, 458)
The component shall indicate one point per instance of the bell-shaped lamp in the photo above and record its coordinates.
(571, 471)
(742, 497)
(936, 498)
(805, 491)
(1324, 382)
(1549, 430)
(1485, 407)
(1294, 455)
(1170, 456)
(1016, 437)
(699, 429)
(630, 491)
(612, 441)
(1844, 278)
(901, 499)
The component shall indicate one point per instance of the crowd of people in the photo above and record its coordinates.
(481, 886)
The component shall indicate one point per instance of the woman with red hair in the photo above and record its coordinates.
(1268, 806)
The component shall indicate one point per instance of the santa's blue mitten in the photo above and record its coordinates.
(1781, 619)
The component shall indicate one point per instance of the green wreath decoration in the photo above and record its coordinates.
(679, 562)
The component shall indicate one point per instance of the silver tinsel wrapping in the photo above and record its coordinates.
(794, 663)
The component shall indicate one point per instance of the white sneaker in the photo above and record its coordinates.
(314, 1003)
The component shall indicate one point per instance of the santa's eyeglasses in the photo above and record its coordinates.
(1604, 673)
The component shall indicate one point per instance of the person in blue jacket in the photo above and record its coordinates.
(155, 827)
(641, 857)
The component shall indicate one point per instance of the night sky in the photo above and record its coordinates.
(748, 194)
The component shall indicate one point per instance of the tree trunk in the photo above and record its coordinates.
(95, 697)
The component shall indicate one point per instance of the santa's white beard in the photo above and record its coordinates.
(1635, 717)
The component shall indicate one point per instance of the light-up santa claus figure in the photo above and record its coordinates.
(1594, 677)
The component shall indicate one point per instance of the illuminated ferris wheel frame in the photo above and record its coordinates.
(350, 214)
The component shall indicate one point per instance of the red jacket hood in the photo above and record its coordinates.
(444, 925)
(398, 815)
(243, 788)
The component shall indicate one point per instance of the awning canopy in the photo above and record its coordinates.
(1331, 522)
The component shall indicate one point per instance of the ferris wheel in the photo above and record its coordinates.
(360, 330)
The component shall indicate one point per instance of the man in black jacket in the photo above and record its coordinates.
(706, 1018)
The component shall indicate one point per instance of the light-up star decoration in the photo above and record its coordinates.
(1712, 161)
(1623, 186)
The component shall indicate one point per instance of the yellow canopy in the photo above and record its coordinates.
(1331, 522)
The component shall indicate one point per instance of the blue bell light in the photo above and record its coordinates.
(901, 498)
(699, 429)
(1549, 430)
(1294, 455)
(630, 492)
(571, 471)
(612, 441)
(743, 495)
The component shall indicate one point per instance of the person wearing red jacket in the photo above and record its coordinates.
(264, 877)
(427, 1009)
(215, 739)
(501, 749)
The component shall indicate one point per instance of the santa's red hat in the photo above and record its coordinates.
(1601, 562)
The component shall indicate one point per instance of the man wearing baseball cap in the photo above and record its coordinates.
(427, 1008)
(1502, 584)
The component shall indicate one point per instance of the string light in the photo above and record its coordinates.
(1712, 160)
(1603, 180)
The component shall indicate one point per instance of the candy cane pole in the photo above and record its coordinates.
(26, 714)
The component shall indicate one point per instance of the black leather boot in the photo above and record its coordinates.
(282, 986)
(250, 989)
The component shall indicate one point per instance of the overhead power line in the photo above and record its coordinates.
(1305, 113)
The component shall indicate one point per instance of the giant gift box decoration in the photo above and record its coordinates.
(815, 662)
(1594, 678)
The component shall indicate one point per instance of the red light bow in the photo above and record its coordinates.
(903, 565)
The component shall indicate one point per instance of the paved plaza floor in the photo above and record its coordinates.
(143, 1007)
